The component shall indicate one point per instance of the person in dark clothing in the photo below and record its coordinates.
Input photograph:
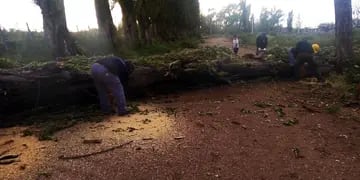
(304, 54)
(261, 43)
(292, 54)
(111, 74)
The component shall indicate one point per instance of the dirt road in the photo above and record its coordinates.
(264, 130)
(227, 42)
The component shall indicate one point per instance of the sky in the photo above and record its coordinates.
(81, 13)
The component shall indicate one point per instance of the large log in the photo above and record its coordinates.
(54, 86)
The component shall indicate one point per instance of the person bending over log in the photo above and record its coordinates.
(111, 74)
(305, 54)
(292, 59)
(261, 43)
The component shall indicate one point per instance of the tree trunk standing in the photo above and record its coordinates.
(143, 18)
(343, 30)
(55, 28)
(105, 22)
(129, 21)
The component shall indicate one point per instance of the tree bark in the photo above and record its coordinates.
(55, 28)
(143, 18)
(129, 21)
(53, 86)
(105, 22)
(343, 31)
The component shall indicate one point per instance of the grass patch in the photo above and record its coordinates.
(291, 122)
(27, 132)
(343, 87)
(286, 40)
(334, 109)
(280, 112)
(6, 63)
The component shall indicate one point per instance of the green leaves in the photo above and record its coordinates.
(291, 122)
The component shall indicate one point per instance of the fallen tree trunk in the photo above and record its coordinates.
(54, 86)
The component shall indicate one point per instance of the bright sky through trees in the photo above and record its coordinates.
(81, 13)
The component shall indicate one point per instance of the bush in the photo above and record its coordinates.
(353, 72)
(6, 63)
(290, 40)
(186, 55)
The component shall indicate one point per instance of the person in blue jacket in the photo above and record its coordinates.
(111, 74)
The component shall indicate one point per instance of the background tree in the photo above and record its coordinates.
(165, 20)
(245, 22)
(276, 16)
(298, 23)
(356, 15)
(252, 20)
(263, 24)
(143, 15)
(270, 20)
(290, 21)
(235, 17)
(343, 32)
(105, 22)
(55, 28)
(129, 21)
(209, 21)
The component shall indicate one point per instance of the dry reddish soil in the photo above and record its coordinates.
(227, 42)
(230, 132)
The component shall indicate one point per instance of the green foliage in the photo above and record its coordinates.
(164, 47)
(342, 86)
(79, 63)
(290, 21)
(92, 43)
(277, 53)
(270, 20)
(173, 19)
(291, 122)
(334, 109)
(280, 112)
(353, 72)
(208, 24)
(27, 132)
(186, 55)
(248, 38)
(290, 40)
(235, 18)
(6, 63)
(25, 50)
(25, 46)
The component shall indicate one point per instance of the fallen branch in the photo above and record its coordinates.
(9, 161)
(92, 141)
(352, 104)
(12, 156)
(312, 110)
(94, 153)
(7, 142)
